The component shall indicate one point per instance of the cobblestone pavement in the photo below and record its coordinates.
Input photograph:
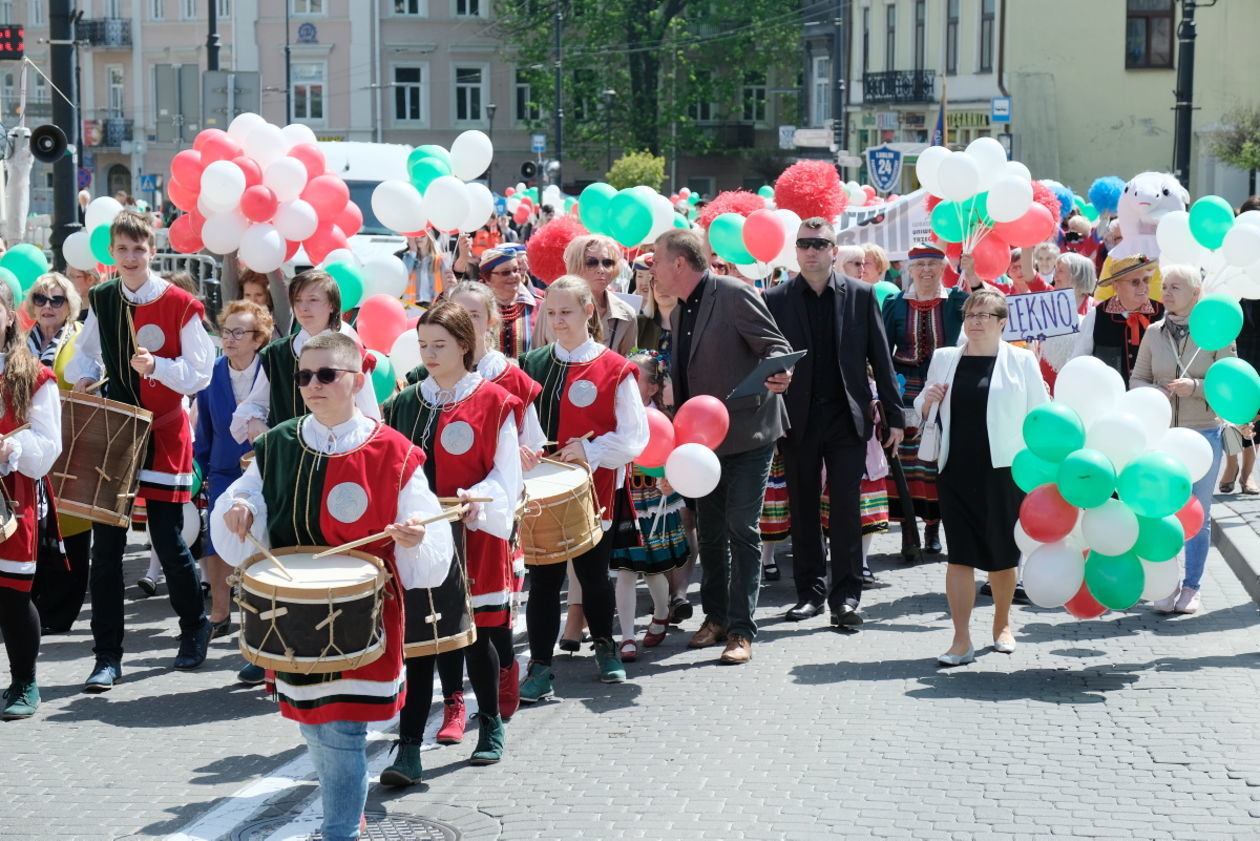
(1131, 726)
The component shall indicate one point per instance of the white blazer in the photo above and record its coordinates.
(1015, 389)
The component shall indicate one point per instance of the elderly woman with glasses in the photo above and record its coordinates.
(597, 259)
(1076, 272)
(1113, 330)
(850, 261)
(53, 304)
(503, 269)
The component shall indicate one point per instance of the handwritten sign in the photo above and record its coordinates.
(1041, 315)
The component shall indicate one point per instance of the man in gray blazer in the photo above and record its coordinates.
(721, 331)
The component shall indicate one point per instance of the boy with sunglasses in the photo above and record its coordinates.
(323, 479)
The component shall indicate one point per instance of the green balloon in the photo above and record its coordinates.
(1154, 485)
(976, 211)
(947, 221)
(694, 198)
(658, 472)
(14, 284)
(99, 241)
(593, 206)
(726, 238)
(425, 171)
(1086, 478)
(383, 380)
(1159, 539)
(197, 478)
(27, 262)
(1052, 431)
(1211, 217)
(629, 218)
(1215, 321)
(1116, 581)
(430, 150)
(883, 290)
(350, 281)
(1031, 471)
(766, 191)
(1087, 210)
(680, 222)
(1232, 387)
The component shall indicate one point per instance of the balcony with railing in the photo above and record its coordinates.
(105, 32)
(899, 86)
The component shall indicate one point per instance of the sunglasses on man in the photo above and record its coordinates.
(324, 375)
(814, 243)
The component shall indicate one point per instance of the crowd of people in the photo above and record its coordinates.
(902, 411)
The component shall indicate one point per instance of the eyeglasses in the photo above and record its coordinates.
(324, 375)
(505, 272)
(816, 243)
(57, 301)
(854, 263)
(982, 317)
(607, 262)
(237, 335)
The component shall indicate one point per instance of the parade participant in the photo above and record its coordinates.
(316, 303)
(849, 260)
(467, 428)
(875, 263)
(501, 269)
(1113, 330)
(256, 287)
(52, 303)
(145, 334)
(589, 406)
(597, 259)
(1075, 272)
(284, 499)
(83, 280)
(28, 396)
(428, 271)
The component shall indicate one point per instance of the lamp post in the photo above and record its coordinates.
(490, 109)
(608, 96)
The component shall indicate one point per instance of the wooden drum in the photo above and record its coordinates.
(440, 618)
(104, 447)
(325, 618)
(560, 520)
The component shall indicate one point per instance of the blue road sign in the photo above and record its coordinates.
(538, 143)
(148, 183)
(883, 164)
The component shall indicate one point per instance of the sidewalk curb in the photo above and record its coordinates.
(1239, 544)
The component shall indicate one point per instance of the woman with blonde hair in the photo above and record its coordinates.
(875, 265)
(597, 259)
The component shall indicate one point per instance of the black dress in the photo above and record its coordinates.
(979, 502)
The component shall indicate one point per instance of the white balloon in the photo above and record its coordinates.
(405, 353)
(101, 211)
(958, 177)
(1246, 284)
(398, 206)
(1188, 447)
(1242, 245)
(1111, 528)
(77, 249)
(927, 167)
(755, 271)
(222, 184)
(696, 467)
(791, 224)
(1009, 198)
(222, 232)
(286, 177)
(1151, 407)
(1248, 217)
(295, 220)
(384, 275)
(471, 154)
(662, 217)
(266, 145)
(1016, 168)
(480, 207)
(340, 255)
(1162, 579)
(295, 133)
(1025, 543)
(262, 248)
(243, 125)
(1053, 574)
(446, 203)
(1088, 386)
(990, 157)
(1120, 436)
(1176, 243)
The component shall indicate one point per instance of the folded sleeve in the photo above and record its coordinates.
(247, 489)
(502, 484)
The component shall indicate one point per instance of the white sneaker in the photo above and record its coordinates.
(1169, 603)
(1188, 601)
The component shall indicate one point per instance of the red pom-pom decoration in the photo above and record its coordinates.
(1044, 196)
(811, 188)
(730, 201)
(545, 248)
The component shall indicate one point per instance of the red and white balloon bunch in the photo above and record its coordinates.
(440, 191)
(682, 450)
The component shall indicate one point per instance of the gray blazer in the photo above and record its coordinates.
(734, 331)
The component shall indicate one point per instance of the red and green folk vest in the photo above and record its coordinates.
(166, 475)
(315, 499)
(280, 364)
(460, 440)
(517, 382)
(18, 553)
(579, 398)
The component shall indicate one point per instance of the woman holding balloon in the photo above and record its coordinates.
(1174, 357)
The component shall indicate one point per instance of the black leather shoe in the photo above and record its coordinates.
(868, 579)
(1021, 596)
(986, 589)
(932, 539)
(193, 646)
(771, 572)
(104, 675)
(846, 617)
(221, 629)
(804, 609)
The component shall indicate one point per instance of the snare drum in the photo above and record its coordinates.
(325, 616)
(440, 618)
(560, 521)
(98, 472)
(8, 520)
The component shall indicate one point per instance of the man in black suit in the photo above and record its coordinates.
(836, 318)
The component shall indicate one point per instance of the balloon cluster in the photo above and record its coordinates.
(1208, 236)
(682, 450)
(633, 216)
(21, 266)
(438, 191)
(1109, 501)
(86, 249)
(521, 202)
(757, 243)
(864, 195)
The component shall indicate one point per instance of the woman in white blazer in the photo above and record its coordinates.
(985, 387)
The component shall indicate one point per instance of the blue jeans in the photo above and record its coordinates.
(1197, 546)
(339, 751)
(729, 527)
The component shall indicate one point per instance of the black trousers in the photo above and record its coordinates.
(828, 440)
(542, 612)
(61, 584)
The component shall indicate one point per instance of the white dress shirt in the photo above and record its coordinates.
(425, 565)
(531, 432)
(33, 451)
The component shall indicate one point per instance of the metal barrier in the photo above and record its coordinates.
(205, 272)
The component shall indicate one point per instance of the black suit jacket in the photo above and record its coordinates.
(860, 339)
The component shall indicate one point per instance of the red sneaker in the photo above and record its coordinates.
(509, 690)
(454, 720)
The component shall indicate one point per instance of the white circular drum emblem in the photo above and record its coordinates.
(150, 337)
(582, 393)
(347, 502)
(457, 438)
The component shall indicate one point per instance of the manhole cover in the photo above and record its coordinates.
(380, 827)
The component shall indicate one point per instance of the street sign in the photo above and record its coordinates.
(1000, 109)
(883, 165)
(538, 143)
(787, 137)
(813, 138)
(849, 161)
(148, 183)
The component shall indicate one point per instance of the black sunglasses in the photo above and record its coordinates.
(44, 300)
(607, 262)
(324, 375)
(817, 243)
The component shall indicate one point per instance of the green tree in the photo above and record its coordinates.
(635, 168)
(1238, 143)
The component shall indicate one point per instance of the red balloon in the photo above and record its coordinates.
(185, 198)
(953, 252)
(992, 256)
(1046, 516)
(660, 440)
(328, 194)
(382, 319)
(521, 216)
(1028, 230)
(509, 192)
(350, 220)
(186, 167)
(869, 190)
(1083, 605)
(219, 147)
(183, 238)
(1191, 517)
(197, 220)
(326, 239)
(312, 157)
(258, 203)
(249, 166)
(701, 420)
(206, 136)
(290, 249)
(764, 236)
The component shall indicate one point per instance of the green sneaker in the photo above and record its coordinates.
(538, 683)
(406, 769)
(21, 700)
(489, 740)
(610, 668)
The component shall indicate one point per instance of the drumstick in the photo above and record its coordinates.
(447, 514)
(21, 428)
(131, 326)
(585, 437)
(454, 500)
(267, 552)
(94, 386)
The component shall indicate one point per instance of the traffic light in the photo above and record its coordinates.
(12, 43)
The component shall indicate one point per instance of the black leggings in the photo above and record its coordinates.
(61, 584)
(542, 613)
(19, 623)
(482, 659)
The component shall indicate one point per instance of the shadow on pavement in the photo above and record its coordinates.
(196, 707)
